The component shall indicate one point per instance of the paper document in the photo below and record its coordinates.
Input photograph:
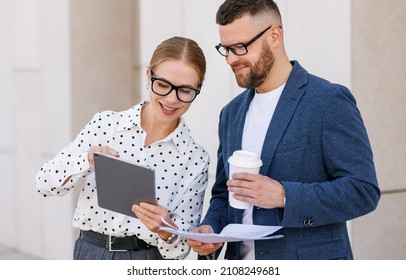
(231, 233)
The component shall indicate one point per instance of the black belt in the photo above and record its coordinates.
(113, 243)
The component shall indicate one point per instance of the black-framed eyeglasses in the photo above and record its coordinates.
(163, 87)
(239, 48)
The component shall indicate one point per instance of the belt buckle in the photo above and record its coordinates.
(111, 240)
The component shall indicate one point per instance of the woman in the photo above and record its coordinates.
(152, 133)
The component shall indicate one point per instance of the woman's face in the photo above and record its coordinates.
(169, 108)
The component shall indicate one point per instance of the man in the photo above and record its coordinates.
(318, 171)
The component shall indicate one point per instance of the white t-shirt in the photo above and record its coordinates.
(256, 125)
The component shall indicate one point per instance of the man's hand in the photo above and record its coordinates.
(203, 249)
(257, 189)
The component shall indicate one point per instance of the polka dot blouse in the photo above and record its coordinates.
(181, 170)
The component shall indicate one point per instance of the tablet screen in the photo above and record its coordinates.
(121, 183)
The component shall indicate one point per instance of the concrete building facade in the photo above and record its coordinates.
(62, 61)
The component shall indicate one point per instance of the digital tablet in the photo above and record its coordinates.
(121, 183)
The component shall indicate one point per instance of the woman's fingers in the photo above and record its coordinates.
(102, 150)
(150, 215)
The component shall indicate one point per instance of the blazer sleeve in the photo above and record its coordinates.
(352, 189)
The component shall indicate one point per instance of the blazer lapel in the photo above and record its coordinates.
(287, 104)
(239, 121)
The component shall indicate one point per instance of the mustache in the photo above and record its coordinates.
(239, 64)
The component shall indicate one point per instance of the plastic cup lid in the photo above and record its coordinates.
(245, 159)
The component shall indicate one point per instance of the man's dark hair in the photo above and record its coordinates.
(231, 10)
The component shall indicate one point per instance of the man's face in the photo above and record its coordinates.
(252, 68)
(256, 71)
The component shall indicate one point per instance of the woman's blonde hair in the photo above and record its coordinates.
(183, 49)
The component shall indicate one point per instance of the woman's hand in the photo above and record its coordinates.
(102, 150)
(151, 216)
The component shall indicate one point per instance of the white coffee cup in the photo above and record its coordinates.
(242, 161)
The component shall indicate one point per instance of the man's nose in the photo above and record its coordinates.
(231, 58)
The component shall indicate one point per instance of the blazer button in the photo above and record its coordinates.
(305, 222)
(310, 222)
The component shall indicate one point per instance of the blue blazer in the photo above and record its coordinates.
(318, 148)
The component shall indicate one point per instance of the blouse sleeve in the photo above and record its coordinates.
(62, 173)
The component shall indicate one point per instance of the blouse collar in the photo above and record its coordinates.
(180, 137)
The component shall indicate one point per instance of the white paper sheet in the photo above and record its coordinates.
(231, 233)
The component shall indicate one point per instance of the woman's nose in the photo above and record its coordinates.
(172, 96)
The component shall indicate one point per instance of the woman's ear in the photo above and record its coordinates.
(148, 75)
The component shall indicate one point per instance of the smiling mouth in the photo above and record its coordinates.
(239, 69)
(167, 108)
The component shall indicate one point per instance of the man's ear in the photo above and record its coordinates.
(276, 35)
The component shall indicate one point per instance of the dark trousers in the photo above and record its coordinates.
(88, 251)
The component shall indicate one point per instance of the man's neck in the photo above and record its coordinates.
(278, 75)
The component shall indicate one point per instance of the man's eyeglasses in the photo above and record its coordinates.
(163, 87)
(239, 48)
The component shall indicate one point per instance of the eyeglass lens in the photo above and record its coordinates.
(163, 88)
(237, 49)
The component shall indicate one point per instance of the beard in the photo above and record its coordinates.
(258, 71)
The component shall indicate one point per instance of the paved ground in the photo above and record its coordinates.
(10, 254)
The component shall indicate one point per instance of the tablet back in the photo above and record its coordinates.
(120, 184)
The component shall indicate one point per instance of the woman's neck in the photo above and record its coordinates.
(155, 130)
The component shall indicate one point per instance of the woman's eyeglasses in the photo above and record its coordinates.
(163, 87)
